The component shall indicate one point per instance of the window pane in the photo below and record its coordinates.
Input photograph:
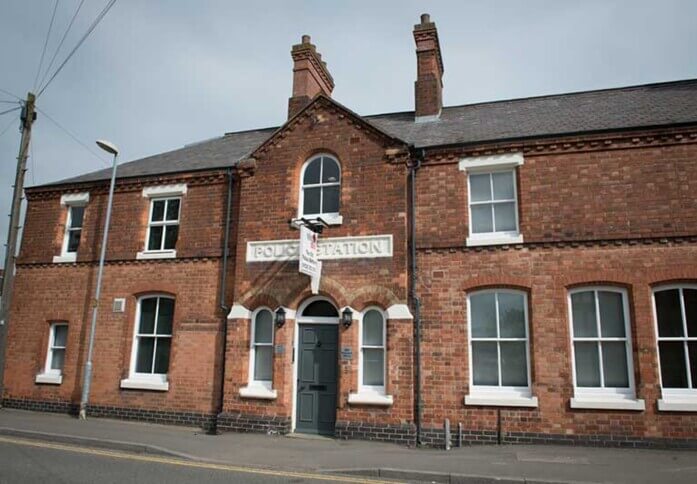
(372, 328)
(311, 201)
(165, 316)
(373, 367)
(312, 172)
(690, 297)
(173, 209)
(57, 359)
(144, 355)
(74, 240)
(76, 216)
(263, 363)
(611, 314)
(514, 364)
(321, 308)
(60, 335)
(512, 315)
(673, 371)
(503, 185)
(505, 217)
(480, 188)
(147, 315)
(583, 314)
(668, 313)
(263, 329)
(481, 219)
(483, 313)
(587, 365)
(171, 234)
(615, 364)
(162, 355)
(330, 171)
(485, 370)
(692, 351)
(155, 238)
(330, 199)
(158, 210)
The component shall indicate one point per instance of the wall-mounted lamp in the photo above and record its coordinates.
(280, 317)
(346, 317)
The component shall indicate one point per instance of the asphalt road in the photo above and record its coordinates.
(42, 462)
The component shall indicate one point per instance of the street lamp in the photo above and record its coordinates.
(87, 374)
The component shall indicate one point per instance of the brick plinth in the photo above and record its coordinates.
(239, 422)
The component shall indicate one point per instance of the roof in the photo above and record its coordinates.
(650, 105)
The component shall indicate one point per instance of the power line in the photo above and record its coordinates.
(75, 138)
(10, 110)
(10, 94)
(43, 51)
(8, 102)
(4, 130)
(79, 43)
(60, 44)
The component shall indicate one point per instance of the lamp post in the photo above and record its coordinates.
(87, 374)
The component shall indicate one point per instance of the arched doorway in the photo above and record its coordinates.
(316, 366)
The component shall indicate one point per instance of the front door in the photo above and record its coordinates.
(317, 362)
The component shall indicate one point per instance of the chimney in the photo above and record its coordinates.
(310, 76)
(428, 88)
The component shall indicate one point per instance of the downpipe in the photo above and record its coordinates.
(416, 302)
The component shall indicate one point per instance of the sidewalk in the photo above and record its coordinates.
(515, 463)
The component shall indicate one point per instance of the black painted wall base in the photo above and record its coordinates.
(238, 422)
(398, 434)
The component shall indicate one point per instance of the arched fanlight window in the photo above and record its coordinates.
(321, 308)
(320, 190)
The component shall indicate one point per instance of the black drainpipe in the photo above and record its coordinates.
(223, 279)
(416, 303)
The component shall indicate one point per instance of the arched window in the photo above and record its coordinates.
(372, 368)
(321, 308)
(261, 361)
(320, 188)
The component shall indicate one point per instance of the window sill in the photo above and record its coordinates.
(494, 240)
(135, 384)
(64, 259)
(258, 392)
(370, 399)
(501, 401)
(677, 405)
(156, 254)
(49, 379)
(608, 403)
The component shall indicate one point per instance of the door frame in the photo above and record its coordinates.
(296, 338)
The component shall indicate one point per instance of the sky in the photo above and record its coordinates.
(158, 74)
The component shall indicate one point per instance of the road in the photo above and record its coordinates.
(28, 461)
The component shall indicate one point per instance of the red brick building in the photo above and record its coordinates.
(526, 269)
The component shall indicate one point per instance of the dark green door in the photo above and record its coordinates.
(317, 363)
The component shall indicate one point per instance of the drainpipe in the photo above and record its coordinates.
(223, 279)
(416, 302)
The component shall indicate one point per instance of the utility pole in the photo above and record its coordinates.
(27, 118)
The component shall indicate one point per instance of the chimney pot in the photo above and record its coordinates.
(425, 18)
(306, 39)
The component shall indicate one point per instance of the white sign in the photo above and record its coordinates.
(333, 248)
(308, 262)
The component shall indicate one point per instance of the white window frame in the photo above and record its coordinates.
(148, 381)
(482, 165)
(50, 375)
(675, 399)
(161, 253)
(610, 398)
(372, 389)
(332, 218)
(70, 201)
(260, 389)
(514, 396)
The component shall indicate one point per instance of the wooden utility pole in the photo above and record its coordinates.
(28, 117)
